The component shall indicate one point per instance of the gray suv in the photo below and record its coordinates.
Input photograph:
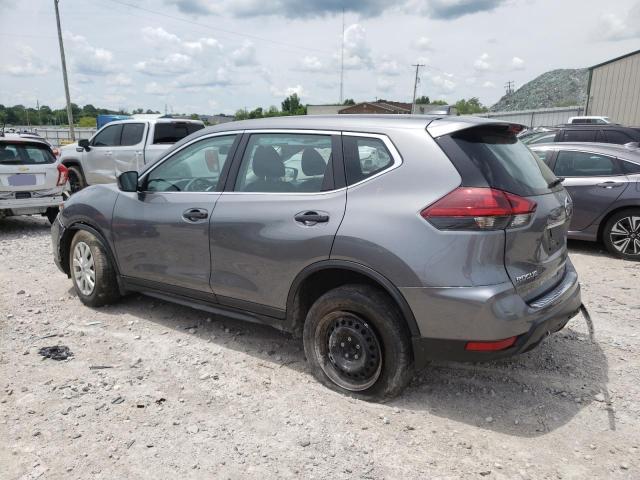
(384, 241)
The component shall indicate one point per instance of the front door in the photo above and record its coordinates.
(279, 213)
(594, 182)
(161, 233)
(98, 159)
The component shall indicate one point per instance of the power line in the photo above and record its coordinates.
(415, 85)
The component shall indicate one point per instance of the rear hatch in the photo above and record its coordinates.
(25, 168)
(491, 157)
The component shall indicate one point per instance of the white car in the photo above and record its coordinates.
(590, 120)
(32, 180)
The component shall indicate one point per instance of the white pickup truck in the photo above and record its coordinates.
(121, 146)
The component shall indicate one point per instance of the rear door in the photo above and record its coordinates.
(279, 213)
(535, 245)
(98, 161)
(594, 182)
(129, 154)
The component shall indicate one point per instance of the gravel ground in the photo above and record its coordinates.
(187, 395)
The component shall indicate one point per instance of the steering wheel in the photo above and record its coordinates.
(199, 184)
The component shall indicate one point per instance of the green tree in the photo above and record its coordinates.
(439, 102)
(257, 113)
(349, 101)
(87, 122)
(89, 110)
(241, 114)
(272, 111)
(423, 100)
(471, 106)
(292, 106)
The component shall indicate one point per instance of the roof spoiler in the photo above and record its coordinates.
(446, 126)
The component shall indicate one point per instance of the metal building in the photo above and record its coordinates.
(614, 89)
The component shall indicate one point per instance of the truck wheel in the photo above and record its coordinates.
(76, 179)
(94, 278)
(621, 234)
(356, 343)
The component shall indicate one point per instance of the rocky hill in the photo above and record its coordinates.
(557, 88)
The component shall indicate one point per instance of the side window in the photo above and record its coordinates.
(131, 134)
(580, 135)
(584, 164)
(171, 132)
(548, 138)
(285, 162)
(364, 157)
(615, 136)
(195, 168)
(630, 167)
(109, 137)
(544, 155)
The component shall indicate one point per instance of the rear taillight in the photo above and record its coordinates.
(475, 208)
(493, 346)
(63, 174)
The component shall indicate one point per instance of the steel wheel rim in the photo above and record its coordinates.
(625, 235)
(84, 271)
(349, 351)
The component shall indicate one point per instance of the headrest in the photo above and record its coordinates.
(312, 162)
(267, 163)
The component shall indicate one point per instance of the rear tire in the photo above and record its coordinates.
(93, 275)
(76, 179)
(357, 343)
(52, 214)
(621, 234)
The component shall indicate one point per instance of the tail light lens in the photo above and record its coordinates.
(63, 175)
(474, 208)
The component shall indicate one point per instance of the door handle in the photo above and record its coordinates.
(108, 153)
(609, 184)
(195, 214)
(311, 218)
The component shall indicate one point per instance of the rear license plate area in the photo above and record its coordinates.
(22, 195)
(22, 180)
(555, 237)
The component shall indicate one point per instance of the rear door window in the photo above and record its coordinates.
(171, 132)
(616, 136)
(364, 157)
(495, 155)
(630, 167)
(109, 137)
(131, 134)
(585, 164)
(580, 135)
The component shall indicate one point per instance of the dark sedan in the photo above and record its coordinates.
(604, 183)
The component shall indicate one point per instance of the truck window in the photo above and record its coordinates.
(174, 131)
(131, 134)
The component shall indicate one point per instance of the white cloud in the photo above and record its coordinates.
(312, 64)
(172, 64)
(357, 53)
(159, 37)
(482, 63)
(298, 90)
(29, 64)
(387, 66)
(120, 80)
(612, 26)
(444, 82)
(245, 55)
(517, 63)
(204, 79)
(88, 59)
(488, 84)
(385, 85)
(422, 43)
(155, 88)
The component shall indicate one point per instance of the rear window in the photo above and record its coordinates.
(25, 154)
(496, 157)
(172, 132)
(580, 135)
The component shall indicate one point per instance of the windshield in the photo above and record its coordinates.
(25, 154)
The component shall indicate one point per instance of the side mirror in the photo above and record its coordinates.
(128, 181)
(84, 143)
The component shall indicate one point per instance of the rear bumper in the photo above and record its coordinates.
(449, 318)
(26, 206)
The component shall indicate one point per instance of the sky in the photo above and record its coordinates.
(219, 56)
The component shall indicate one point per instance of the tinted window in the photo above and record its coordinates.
(174, 131)
(580, 135)
(195, 168)
(502, 160)
(285, 162)
(540, 138)
(543, 155)
(131, 134)
(615, 136)
(584, 164)
(364, 157)
(25, 154)
(630, 167)
(109, 137)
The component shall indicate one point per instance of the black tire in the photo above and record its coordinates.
(352, 319)
(614, 236)
(51, 214)
(76, 178)
(105, 289)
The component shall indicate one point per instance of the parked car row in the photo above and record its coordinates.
(601, 133)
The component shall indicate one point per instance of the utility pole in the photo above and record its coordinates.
(342, 62)
(72, 132)
(415, 85)
(509, 87)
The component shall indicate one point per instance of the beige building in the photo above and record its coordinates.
(614, 89)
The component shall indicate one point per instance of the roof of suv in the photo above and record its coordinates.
(593, 147)
(18, 138)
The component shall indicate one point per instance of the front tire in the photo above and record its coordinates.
(621, 234)
(357, 343)
(93, 275)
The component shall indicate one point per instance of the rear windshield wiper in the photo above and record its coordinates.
(555, 182)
